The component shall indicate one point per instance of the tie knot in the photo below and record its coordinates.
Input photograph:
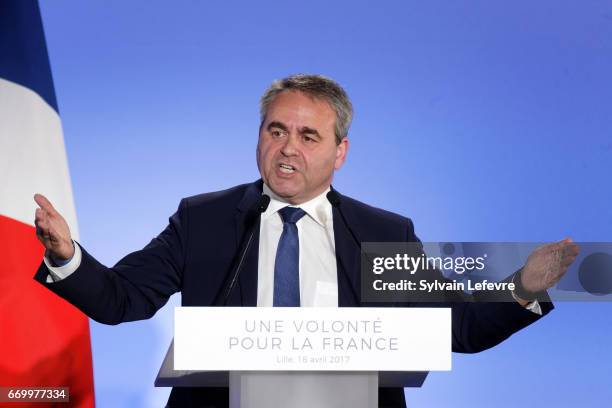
(291, 215)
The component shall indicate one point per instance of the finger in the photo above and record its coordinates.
(39, 232)
(42, 225)
(555, 255)
(38, 215)
(552, 247)
(570, 252)
(44, 203)
(567, 243)
(559, 244)
(574, 249)
(564, 252)
(43, 231)
(43, 237)
(569, 247)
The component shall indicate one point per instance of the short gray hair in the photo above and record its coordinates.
(319, 87)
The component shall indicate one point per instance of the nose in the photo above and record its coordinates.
(290, 145)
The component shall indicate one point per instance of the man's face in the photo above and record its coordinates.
(297, 152)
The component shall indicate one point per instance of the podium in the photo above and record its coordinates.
(256, 383)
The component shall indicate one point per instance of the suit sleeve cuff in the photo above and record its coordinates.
(57, 273)
(533, 306)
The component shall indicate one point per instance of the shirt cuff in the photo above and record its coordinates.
(57, 273)
(533, 306)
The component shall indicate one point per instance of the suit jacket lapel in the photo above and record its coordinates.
(347, 261)
(248, 276)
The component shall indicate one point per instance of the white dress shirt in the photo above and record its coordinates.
(317, 268)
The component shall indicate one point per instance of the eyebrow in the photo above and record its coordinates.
(310, 131)
(277, 125)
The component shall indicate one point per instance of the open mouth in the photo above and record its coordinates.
(285, 168)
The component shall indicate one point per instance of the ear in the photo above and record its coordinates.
(341, 151)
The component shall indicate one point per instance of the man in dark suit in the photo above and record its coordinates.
(303, 251)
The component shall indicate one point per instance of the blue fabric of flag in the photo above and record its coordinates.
(23, 53)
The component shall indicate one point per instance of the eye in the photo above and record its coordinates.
(276, 133)
(308, 139)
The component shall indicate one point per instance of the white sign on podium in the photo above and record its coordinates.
(312, 339)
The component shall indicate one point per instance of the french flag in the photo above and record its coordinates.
(44, 341)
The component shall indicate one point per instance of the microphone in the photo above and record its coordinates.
(263, 203)
(334, 199)
(259, 208)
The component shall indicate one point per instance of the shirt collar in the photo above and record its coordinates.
(319, 208)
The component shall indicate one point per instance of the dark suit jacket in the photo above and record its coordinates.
(195, 253)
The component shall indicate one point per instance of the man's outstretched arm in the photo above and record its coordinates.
(135, 288)
(480, 321)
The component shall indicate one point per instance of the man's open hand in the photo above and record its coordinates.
(52, 230)
(547, 264)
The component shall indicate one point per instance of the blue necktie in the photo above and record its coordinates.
(287, 264)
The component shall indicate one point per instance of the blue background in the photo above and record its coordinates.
(480, 120)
